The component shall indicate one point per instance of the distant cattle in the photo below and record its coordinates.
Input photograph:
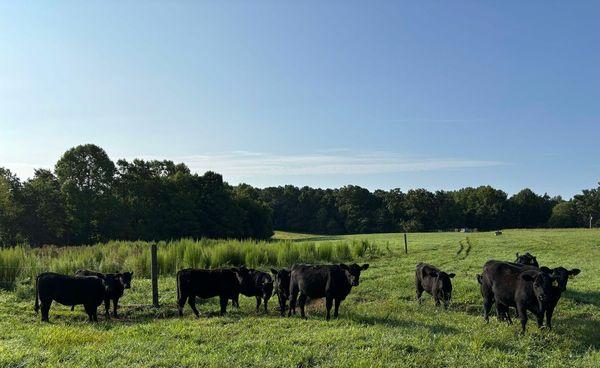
(260, 287)
(527, 259)
(527, 288)
(69, 290)
(115, 285)
(332, 282)
(281, 287)
(435, 282)
(224, 283)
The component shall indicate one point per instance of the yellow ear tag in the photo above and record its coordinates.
(555, 283)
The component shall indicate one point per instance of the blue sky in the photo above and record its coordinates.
(439, 95)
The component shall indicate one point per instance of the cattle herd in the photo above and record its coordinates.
(522, 284)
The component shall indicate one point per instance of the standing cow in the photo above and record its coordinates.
(115, 284)
(224, 283)
(435, 282)
(260, 286)
(499, 274)
(281, 287)
(527, 259)
(333, 282)
(68, 290)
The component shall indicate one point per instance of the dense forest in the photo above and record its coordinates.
(88, 199)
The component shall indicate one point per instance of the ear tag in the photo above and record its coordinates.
(555, 283)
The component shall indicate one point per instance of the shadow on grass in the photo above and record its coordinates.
(581, 297)
(584, 329)
(395, 322)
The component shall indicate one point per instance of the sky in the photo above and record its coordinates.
(436, 95)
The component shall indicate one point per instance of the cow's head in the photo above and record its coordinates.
(113, 283)
(527, 259)
(126, 279)
(562, 275)
(282, 281)
(243, 276)
(442, 289)
(544, 285)
(353, 272)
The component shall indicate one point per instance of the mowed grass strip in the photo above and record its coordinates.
(380, 323)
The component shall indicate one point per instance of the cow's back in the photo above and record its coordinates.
(70, 290)
(504, 278)
(207, 283)
(316, 281)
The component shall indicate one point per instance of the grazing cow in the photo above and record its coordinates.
(523, 287)
(527, 259)
(333, 282)
(281, 287)
(224, 283)
(260, 286)
(115, 284)
(435, 282)
(68, 290)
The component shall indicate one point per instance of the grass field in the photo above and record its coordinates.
(380, 323)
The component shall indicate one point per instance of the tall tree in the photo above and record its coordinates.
(10, 208)
(86, 175)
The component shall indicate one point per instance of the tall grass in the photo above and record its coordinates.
(24, 263)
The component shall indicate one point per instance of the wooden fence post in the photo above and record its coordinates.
(405, 244)
(154, 270)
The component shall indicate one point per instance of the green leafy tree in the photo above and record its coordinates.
(10, 208)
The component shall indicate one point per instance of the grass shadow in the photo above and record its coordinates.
(584, 329)
(581, 297)
(393, 321)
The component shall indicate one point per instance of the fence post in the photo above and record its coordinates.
(405, 244)
(154, 270)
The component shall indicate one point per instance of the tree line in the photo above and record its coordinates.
(89, 199)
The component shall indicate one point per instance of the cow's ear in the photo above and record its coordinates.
(527, 277)
(344, 266)
(451, 275)
(574, 272)
(545, 269)
(274, 271)
(365, 266)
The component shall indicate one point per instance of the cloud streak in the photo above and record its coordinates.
(332, 162)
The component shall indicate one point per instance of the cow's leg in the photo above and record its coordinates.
(192, 303)
(235, 301)
(523, 316)
(45, 306)
(267, 297)
(282, 299)
(301, 304)
(72, 308)
(328, 304)
(107, 308)
(181, 303)
(95, 313)
(115, 306)
(419, 288)
(89, 309)
(223, 300)
(549, 313)
(337, 302)
(293, 298)
(487, 307)
(258, 300)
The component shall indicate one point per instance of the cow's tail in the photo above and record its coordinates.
(36, 307)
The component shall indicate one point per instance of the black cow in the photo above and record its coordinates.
(224, 283)
(527, 259)
(281, 287)
(261, 287)
(115, 284)
(435, 282)
(523, 287)
(333, 282)
(68, 290)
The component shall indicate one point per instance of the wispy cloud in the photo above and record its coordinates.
(327, 162)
